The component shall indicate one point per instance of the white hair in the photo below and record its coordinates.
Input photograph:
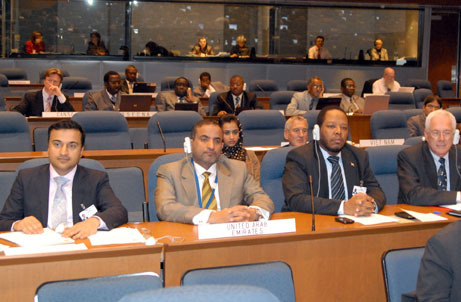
(441, 112)
(291, 120)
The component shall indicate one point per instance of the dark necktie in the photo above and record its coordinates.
(336, 179)
(237, 102)
(442, 176)
(313, 103)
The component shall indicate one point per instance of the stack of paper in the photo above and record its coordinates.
(48, 237)
(372, 219)
(117, 236)
(425, 217)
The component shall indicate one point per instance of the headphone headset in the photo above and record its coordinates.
(456, 137)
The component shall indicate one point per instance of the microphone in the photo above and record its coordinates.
(312, 204)
(161, 135)
(260, 88)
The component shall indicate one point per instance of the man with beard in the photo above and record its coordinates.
(182, 93)
(387, 83)
(342, 180)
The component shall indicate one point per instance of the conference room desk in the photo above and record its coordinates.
(337, 262)
(262, 100)
(359, 127)
(12, 101)
(20, 276)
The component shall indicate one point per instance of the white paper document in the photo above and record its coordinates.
(456, 206)
(3, 247)
(117, 236)
(425, 217)
(372, 219)
(14, 251)
(48, 237)
(259, 148)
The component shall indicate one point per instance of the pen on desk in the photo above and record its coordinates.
(437, 212)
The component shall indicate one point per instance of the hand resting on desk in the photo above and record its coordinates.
(360, 204)
(237, 213)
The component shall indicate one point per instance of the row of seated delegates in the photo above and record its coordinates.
(58, 194)
(110, 97)
(166, 100)
(35, 45)
(49, 99)
(416, 123)
(233, 144)
(207, 187)
(342, 180)
(96, 46)
(387, 83)
(202, 49)
(296, 131)
(207, 87)
(235, 100)
(154, 50)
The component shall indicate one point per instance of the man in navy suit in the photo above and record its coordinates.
(49, 99)
(62, 192)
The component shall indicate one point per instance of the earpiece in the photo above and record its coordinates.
(316, 133)
(187, 147)
(456, 137)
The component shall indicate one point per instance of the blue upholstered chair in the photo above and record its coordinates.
(14, 133)
(420, 95)
(70, 85)
(311, 117)
(401, 101)
(410, 141)
(383, 162)
(105, 130)
(101, 289)
(14, 73)
(273, 276)
(400, 268)
(280, 99)
(412, 112)
(444, 89)
(6, 182)
(456, 111)
(175, 125)
(418, 84)
(152, 180)
(4, 91)
(213, 100)
(262, 127)
(41, 74)
(128, 185)
(368, 86)
(272, 167)
(388, 124)
(138, 137)
(40, 139)
(297, 85)
(263, 87)
(204, 293)
(167, 83)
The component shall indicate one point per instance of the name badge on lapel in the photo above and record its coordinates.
(87, 212)
(359, 189)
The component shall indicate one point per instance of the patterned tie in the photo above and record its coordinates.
(59, 203)
(442, 176)
(237, 102)
(336, 179)
(113, 99)
(206, 193)
(48, 104)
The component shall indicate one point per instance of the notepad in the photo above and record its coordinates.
(48, 237)
(14, 251)
(425, 217)
(117, 236)
(372, 219)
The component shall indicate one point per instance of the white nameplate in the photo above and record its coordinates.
(239, 229)
(124, 113)
(58, 114)
(18, 82)
(79, 94)
(381, 142)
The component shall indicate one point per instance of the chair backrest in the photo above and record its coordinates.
(3, 80)
(412, 112)
(4, 91)
(400, 269)
(41, 74)
(262, 127)
(152, 180)
(6, 182)
(204, 293)
(14, 73)
(418, 84)
(70, 85)
(311, 117)
(85, 98)
(167, 83)
(383, 162)
(14, 133)
(419, 95)
(444, 89)
(401, 100)
(40, 139)
(85, 162)
(297, 85)
(175, 125)
(263, 87)
(273, 276)
(280, 99)
(388, 124)
(212, 101)
(368, 86)
(128, 185)
(410, 141)
(456, 111)
(105, 130)
(272, 167)
(110, 288)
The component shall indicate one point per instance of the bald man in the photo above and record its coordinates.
(387, 83)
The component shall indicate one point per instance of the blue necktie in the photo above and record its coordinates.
(59, 212)
(336, 179)
(442, 176)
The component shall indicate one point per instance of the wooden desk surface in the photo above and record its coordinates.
(336, 263)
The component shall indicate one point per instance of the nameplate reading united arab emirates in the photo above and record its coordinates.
(239, 229)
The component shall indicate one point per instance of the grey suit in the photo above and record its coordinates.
(418, 177)
(100, 101)
(415, 125)
(439, 275)
(353, 104)
(165, 101)
(30, 193)
(176, 195)
(301, 103)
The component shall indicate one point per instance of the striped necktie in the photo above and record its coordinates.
(336, 179)
(206, 193)
(48, 102)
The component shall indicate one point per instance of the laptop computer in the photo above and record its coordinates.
(375, 102)
(133, 102)
(407, 89)
(186, 107)
(330, 101)
(144, 87)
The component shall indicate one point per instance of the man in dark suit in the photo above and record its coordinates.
(429, 172)
(49, 99)
(131, 74)
(236, 100)
(62, 194)
(342, 180)
(440, 271)
(109, 98)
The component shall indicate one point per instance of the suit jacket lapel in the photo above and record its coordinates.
(230, 101)
(351, 167)
(431, 168)
(225, 184)
(189, 185)
(324, 191)
(39, 101)
(78, 188)
(43, 194)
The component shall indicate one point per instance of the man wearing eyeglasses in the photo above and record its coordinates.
(429, 172)
(301, 102)
(350, 102)
(415, 124)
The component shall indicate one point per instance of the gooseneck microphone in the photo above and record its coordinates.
(260, 88)
(312, 204)
(161, 135)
